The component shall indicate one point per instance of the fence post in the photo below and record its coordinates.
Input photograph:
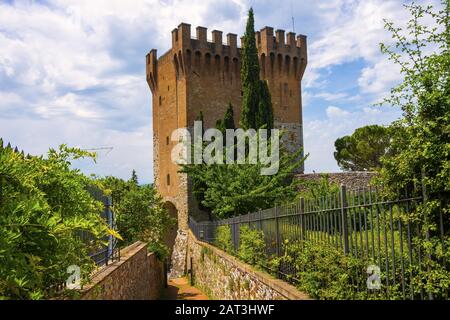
(233, 230)
(277, 231)
(343, 195)
(260, 219)
(426, 221)
(302, 217)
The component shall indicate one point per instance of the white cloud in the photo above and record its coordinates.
(73, 72)
(320, 135)
(379, 78)
(335, 112)
(131, 149)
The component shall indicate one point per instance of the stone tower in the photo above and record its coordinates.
(200, 75)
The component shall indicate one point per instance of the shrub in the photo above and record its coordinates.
(140, 214)
(223, 239)
(251, 246)
(44, 204)
(323, 271)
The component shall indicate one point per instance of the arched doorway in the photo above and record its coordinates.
(171, 234)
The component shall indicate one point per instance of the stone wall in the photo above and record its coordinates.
(223, 277)
(138, 275)
(352, 180)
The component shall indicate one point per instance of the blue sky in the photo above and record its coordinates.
(74, 71)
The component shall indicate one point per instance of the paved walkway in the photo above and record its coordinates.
(179, 289)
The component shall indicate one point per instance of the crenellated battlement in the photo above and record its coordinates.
(201, 72)
(281, 55)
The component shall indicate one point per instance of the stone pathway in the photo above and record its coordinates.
(179, 289)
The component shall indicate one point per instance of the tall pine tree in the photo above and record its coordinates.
(264, 116)
(257, 108)
(228, 119)
(250, 75)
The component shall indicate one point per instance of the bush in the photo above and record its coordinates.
(251, 246)
(140, 214)
(44, 204)
(323, 271)
(223, 239)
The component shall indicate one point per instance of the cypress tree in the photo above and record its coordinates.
(228, 120)
(250, 75)
(264, 116)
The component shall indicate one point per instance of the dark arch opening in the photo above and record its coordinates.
(295, 66)
(177, 65)
(188, 61)
(208, 62)
(197, 60)
(226, 62)
(236, 66)
(217, 63)
(171, 233)
(280, 63)
(287, 64)
(180, 61)
(272, 62)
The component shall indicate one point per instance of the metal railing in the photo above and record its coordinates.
(360, 223)
(103, 254)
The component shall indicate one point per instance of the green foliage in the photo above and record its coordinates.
(421, 144)
(140, 214)
(223, 239)
(264, 115)
(325, 272)
(313, 189)
(251, 246)
(362, 151)
(234, 189)
(257, 108)
(228, 119)
(44, 205)
(250, 75)
(227, 122)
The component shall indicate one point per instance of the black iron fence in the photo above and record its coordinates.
(103, 254)
(380, 233)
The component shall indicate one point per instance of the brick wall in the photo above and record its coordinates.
(223, 277)
(137, 276)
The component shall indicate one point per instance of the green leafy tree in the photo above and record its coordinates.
(44, 205)
(134, 178)
(235, 189)
(362, 151)
(140, 213)
(421, 145)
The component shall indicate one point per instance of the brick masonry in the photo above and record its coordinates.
(138, 275)
(199, 75)
(223, 277)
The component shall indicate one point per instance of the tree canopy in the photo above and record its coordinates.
(362, 151)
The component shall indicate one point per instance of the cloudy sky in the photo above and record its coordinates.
(74, 71)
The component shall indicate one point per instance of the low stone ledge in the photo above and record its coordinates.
(138, 275)
(264, 285)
